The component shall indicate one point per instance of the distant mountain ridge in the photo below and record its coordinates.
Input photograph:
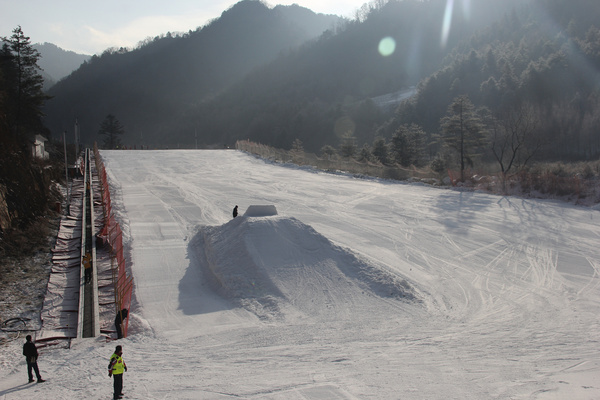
(57, 63)
(282, 74)
(148, 87)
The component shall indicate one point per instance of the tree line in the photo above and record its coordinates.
(530, 78)
(534, 76)
(25, 183)
(153, 86)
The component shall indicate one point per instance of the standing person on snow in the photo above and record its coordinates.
(31, 353)
(235, 211)
(121, 315)
(116, 368)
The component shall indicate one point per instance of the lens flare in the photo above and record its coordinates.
(387, 46)
(447, 22)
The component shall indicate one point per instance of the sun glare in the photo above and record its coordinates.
(387, 46)
(447, 22)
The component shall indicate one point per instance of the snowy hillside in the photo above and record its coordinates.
(356, 289)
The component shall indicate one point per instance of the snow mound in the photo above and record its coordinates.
(277, 267)
(261, 211)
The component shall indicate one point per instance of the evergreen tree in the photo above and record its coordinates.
(23, 84)
(112, 128)
(380, 151)
(25, 188)
(463, 131)
(327, 151)
(407, 145)
(365, 154)
(348, 145)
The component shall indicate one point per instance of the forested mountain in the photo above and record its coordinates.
(316, 93)
(149, 87)
(540, 61)
(215, 85)
(56, 63)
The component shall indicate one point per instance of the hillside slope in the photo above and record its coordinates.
(149, 87)
(506, 290)
(57, 63)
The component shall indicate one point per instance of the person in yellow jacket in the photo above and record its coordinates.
(116, 368)
(87, 264)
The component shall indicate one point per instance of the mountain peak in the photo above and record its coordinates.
(246, 8)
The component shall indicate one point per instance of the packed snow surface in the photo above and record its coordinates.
(353, 289)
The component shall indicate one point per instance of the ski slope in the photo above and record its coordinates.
(356, 289)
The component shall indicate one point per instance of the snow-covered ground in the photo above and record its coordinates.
(356, 289)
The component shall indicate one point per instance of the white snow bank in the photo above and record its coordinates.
(261, 211)
(279, 266)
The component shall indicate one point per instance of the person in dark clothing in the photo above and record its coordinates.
(87, 264)
(116, 368)
(31, 353)
(235, 212)
(121, 315)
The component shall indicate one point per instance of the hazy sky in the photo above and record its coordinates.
(90, 27)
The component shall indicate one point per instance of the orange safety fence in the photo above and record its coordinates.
(111, 233)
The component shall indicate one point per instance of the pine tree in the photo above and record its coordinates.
(111, 127)
(348, 145)
(380, 150)
(365, 154)
(24, 84)
(327, 151)
(24, 185)
(407, 145)
(463, 131)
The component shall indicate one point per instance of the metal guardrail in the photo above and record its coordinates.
(85, 315)
(95, 303)
(81, 312)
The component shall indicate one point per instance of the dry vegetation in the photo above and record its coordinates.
(24, 271)
(577, 182)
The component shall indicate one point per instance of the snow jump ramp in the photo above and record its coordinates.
(278, 267)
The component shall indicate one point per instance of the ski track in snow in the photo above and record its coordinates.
(358, 289)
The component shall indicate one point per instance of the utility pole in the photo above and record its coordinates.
(66, 165)
(76, 139)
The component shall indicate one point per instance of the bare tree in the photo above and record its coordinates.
(514, 139)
